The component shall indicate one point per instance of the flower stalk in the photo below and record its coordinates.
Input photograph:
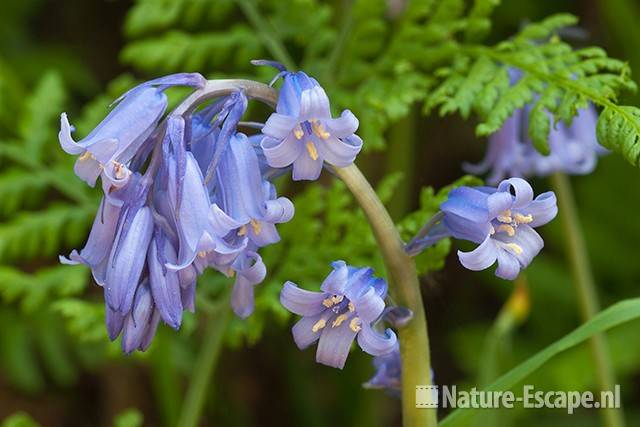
(586, 290)
(402, 274)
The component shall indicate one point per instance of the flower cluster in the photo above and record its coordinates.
(185, 192)
(351, 301)
(573, 149)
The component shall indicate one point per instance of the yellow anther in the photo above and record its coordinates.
(230, 272)
(505, 216)
(202, 254)
(337, 299)
(327, 302)
(298, 132)
(256, 227)
(355, 324)
(352, 308)
(507, 229)
(319, 325)
(492, 230)
(515, 248)
(339, 320)
(523, 219)
(311, 148)
(319, 130)
(86, 156)
(242, 231)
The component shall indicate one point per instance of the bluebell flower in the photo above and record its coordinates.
(350, 301)
(388, 375)
(573, 149)
(140, 324)
(502, 221)
(114, 142)
(302, 132)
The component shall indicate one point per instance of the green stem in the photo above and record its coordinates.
(204, 367)
(343, 37)
(273, 44)
(401, 269)
(586, 289)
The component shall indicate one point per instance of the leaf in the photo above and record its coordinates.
(619, 130)
(19, 419)
(615, 315)
(129, 418)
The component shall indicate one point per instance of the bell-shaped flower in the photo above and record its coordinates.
(164, 283)
(250, 270)
(388, 375)
(502, 221)
(112, 144)
(127, 258)
(246, 197)
(95, 253)
(140, 325)
(350, 301)
(302, 131)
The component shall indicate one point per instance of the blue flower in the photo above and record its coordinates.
(502, 221)
(573, 149)
(388, 375)
(303, 133)
(115, 141)
(350, 301)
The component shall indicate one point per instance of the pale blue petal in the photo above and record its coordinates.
(300, 301)
(374, 343)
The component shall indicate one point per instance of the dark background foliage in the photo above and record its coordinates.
(56, 364)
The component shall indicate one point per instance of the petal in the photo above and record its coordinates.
(87, 169)
(334, 345)
(481, 257)
(150, 332)
(374, 343)
(302, 331)
(521, 188)
(279, 126)
(66, 141)
(267, 235)
(253, 271)
(462, 228)
(300, 301)
(137, 322)
(279, 210)
(314, 104)
(543, 209)
(165, 286)
(369, 306)
(499, 202)
(305, 168)
(527, 239)
(508, 266)
(188, 297)
(127, 261)
(338, 152)
(102, 234)
(281, 153)
(344, 126)
(114, 321)
(336, 281)
(468, 203)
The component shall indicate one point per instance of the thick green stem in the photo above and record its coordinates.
(401, 269)
(204, 367)
(586, 290)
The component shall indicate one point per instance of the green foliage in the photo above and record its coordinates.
(554, 79)
(19, 419)
(129, 418)
(613, 316)
(619, 129)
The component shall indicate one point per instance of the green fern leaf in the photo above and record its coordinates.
(619, 130)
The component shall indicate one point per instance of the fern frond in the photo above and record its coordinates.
(619, 129)
(84, 319)
(44, 233)
(181, 51)
(33, 290)
(555, 78)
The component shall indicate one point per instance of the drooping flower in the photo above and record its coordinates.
(502, 221)
(388, 375)
(303, 133)
(573, 149)
(350, 301)
(114, 142)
